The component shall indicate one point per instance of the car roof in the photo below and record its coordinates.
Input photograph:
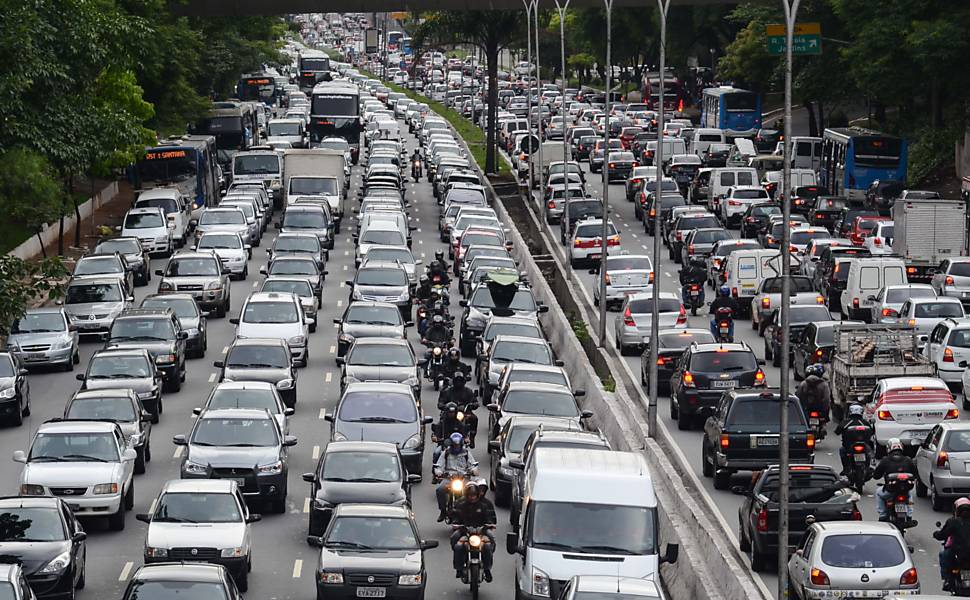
(141, 210)
(209, 486)
(122, 352)
(520, 339)
(29, 502)
(180, 572)
(372, 510)
(269, 297)
(381, 341)
(857, 527)
(95, 281)
(44, 310)
(236, 413)
(77, 427)
(360, 446)
(898, 383)
(378, 386)
(947, 299)
(244, 385)
(101, 393)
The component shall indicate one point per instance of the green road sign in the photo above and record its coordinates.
(806, 39)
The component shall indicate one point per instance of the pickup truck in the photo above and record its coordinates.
(743, 434)
(816, 494)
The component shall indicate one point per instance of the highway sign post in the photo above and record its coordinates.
(806, 39)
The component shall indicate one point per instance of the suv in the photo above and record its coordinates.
(704, 373)
(742, 434)
(135, 255)
(157, 330)
(275, 315)
(132, 369)
(200, 274)
(88, 462)
(254, 359)
(121, 406)
(149, 225)
(43, 336)
(244, 445)
(92, 304)
(832, 272)
(174, 205)
(736, 201)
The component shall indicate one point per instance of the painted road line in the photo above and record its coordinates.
(346, 252)
(316, 452)
(323, 413)
(343, 283)
(340, 303)
(306, 505)
(255, 284)
(126, 571)
(212, 377)
(333, 349)
(329, 377)
(178, 451)
(345, 268)
(225, 349)
(635, 237)
(297, 568)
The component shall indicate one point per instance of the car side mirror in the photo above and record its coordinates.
(22, 372)
(559, 363)
(586, 414)
(144, 517)
(129, 298)
(129, 454)
(761, 362)
(20, 456)
(337, 321)
(226, 272)
(579, 393)
(183, 335)
(80, 376)
(493, 407)
(254, 518)
(289, 440)
(429, 544)
(79, 536)
(671, 554)
(340, 360)
(288, 412)
(262, 271)
(219, 364)
(310, 477)
(409, 323)
(963, 364)
(315, 541)
(160, 272)
(196, 411)
(512, 545)
(516, 463)
(494, 446)
(427, 420)
(180, 440)
(234, 320)
(328, 417)
(193, 222)
(463, 303)
(309, 320)
(145, 415)
(414, 478)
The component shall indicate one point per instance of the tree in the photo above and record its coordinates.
(22, 283)
(30, 190)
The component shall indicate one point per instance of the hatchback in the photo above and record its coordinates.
(625, 274)
(632, 328)
(275, 315)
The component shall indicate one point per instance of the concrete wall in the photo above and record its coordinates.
(32, 247)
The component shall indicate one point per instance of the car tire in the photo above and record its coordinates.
(277, 504)
(775, 358)
(140, 461)
(172, 385)
(744, 544)
(722, 479)
(921, 490)
(242, 581)
(77, 356)
(684, 421)
(939, 504)
(18, 417)
(116, 522)
(503, 496)
(148, 451)
(674, 411)
(244, 274)
(130, 496)
(82, 579)
(707, 467)
(760, 561)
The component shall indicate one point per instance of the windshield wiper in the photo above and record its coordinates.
(557, 546)
(607, 549)
(46, 459)
(243, 445)
(370, 480)
(344, 544)
(172, 520)
(86, 457)
(380, 420)
(253, 366)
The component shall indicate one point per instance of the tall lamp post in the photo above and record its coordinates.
(604, 235)
(663, 6)
(535, 29)
(562, 114)
(530, 7)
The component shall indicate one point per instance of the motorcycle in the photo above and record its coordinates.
(434, 370)
(416, 170)
(816, 422)
(440, 288)
(898, 487)
(958, 579)
(456, 491)
(694, 296)
(474, 539)
(860, 465)
(724, 317)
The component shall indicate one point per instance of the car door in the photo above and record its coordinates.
(904, 312)
(798, 566)
(127, 466)
(927, 453)
(934, 344)
(78, 550)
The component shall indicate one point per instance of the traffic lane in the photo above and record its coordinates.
(689, 442)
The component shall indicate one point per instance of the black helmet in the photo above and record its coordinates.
(451, 407)
(439, 254)
(697, 262)
(458, 379)
(455, 354)
(438, 319)
(471, 489)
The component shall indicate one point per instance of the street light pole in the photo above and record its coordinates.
(535, 16)
(791, 12)
(663, 6)
(606, 180)
(562, 113)
(530, 6)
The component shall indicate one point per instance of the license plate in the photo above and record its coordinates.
(371, 592)
(767, 441)
(859, 458)
(902, 509)
(594, 256)
(694, 293)
(35, 356)
(965, 575)
(730, 383)
(725, 329)
(813, 421)
(240, 481)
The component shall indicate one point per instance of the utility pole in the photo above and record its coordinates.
(535, 16)
(604, 235)
(562, 113)
(530, 6)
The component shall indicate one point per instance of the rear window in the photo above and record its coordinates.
(804, 237)
(710, 236)
(723, 361)
(862, 551)
(763, 412)
(697, 222)
(960, 269)
(933, 310)
(957, 441)
(671, 201)
(684, 339)
(798, 284)
(750, 194)
(959, 338)
(646, 305)
(628, 263)
(594, 230)
(900, 295)
(800, 315)
(825, 336)
(869, 278)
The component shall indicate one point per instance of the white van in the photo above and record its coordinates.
(585, 513)
(746, 269)
(177, 209)
(807, 152)
(703, 138)
(727, 177)
(438, 92)
(866, 277)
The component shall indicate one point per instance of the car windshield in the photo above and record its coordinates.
(235, 432)
(481, 239)
(74, 447)
(763, 412)
(372, 315)
(709, 236)
(645, 306)
(862, 551)
(260, 399)
(112, 408)
(142, 329)
(258, 164)
(183, 590)
(270, 312)
(222, 217)
(377, 407)
(98, 266)
(546, 403)
(41, 322)
(197, 507)
(284, 129)
(118, 367)
(518, 437)
(183, 308)
(723, 362)
(370, 467)
(298, 244)
(519, 352)
(85, 293)
(680, 340)
(519, 329)
(391, 255)
(381, 276)
(313, 186)
(122, 246)
(383, 237)
(380, 355)
(521, 300)
(304, 219)
(594, 528)
(194, 267)
(256, 357)
(802, 315)
(938, 310)
(31, 524)
(300, 287)
(825, 335)
(372, 533)
(220, 241)
(144, 221)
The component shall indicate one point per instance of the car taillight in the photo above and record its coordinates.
(628, 318)
(612, 165)
(680, 236)
(813, 414)
(947, 354)
(856, 515)
(858, 448)
(819, 215)
(552, 204)
(911, 322)
(910, 270)
(734, 292)
(682, 317)
(688, 379)
(876, 241)
(613, 241)
(819, 577)
(763, 520)
(651, 276)
(943, 460)
(819, 299)
(885, 415)
(759, 377)
(810, 441)
(725, 440)
(855, 303)
(636, 164)
(953, 413)
(820, 353)
(889, 312)
(766, 302)
(910, 577)
(577, 244)
(690, 249)
(653, 212)
(734, 203)
(949, 280)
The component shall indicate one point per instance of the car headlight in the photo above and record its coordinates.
(151, 552)
(13, 346)
(411, 579)
(231, 552)
(339, 437)
(58, 563)
(162, 239)
(106, 488)
(191, 331)
(214, 286)
(8, 393)
(194, 468)
(297, 340)
(63, 344)
(328, 577)
(135, 439)
(31, 489)
(146, 395)
(271, 469)
(164, 359)
(164, 285)
(413, 442)
(357, 295)
(540, 582)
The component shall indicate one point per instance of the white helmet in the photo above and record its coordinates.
(856, 410)
(894, 444)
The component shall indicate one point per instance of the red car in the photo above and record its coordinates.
(863, 227)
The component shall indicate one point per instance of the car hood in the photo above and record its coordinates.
(222, 456)
(380, 373)
(137, 384)
(371, 562)
(380, 290)
(182, 535)
(36, 339)
(230, 227)
(243, 374)
(339, 492)
(231, 253)
(33, 556)
(92, 308)
(191, 280)
(361, 330)
(74, 474)
(154, 348)
(393, 433)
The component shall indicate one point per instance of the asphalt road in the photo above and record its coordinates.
(283, 564)
(688, 443)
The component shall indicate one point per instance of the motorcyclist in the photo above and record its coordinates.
(724, 300)
(894, 462)
(693, 273)
(457, 460)
(955, 534)
(474, 510)
(813, 392)
(439, 267)
(448, 423)
(851, 434)
(422, 293)
(416, 164)
(438, 332)
(461, 396)
(453, 363)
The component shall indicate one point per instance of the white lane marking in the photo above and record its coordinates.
(644, 246)
(346, 252)
(336, 325)
(343, 283)
(297, 568)
(255, 284)
(422, 255)
(345, 268)
(125, 571)
(635, 237)
(667, 274)
(418, 230)
(340, 303)
(333, 349)
(316, 452)
(420, 241)
(225, 349)
(323, 413)
(212, 377)
(178, 452)
(306, 505)
(329, 377)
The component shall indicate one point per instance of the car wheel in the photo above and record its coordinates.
(77, 356)
(921, 489)
(683, 421)
(277, 504)
(503, 496)
(760, 561)
(116, 522)
(140, 460)
(775, 358)
(148, 452)
(744, 544)
(244, 274)
(82, 578)
(18, 417)
(130, 496)
(242, 581)
(938, 503)
(674, 411)
(722, 479)
(707, 467)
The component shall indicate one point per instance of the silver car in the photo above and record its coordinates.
(231, 220)
(382, 282)
(275, 315)
(942, 463)
(298, 244)
(200, 274)
(232, 251)
(888, 300)
(248, 394)
(508, 349)
(395, 254)
(308, 218)
(43, 336)
(852, 559)
(124, 408)
(382, 360)
(297, 266)
(633, 327)
(267, 360)
(298, 286)
(91, 305)
(102, 266)
(625, 274)
(953, 279)
(366, 319)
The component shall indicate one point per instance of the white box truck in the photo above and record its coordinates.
(927, 232)
(316, 172)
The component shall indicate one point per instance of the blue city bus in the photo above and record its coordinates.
(393, 39)
(736, 111)
(854, 157)
(188, 163)
(406, 46)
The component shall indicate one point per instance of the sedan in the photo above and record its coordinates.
(671, 346)
(889, 300)
(43, 336)
(619, 165)
(254, 359)
(799, 317)
(632, 328)
(381, 359)
(923, 314)
(365, 319)
(625, 274)
(536, 399)
(297, 266)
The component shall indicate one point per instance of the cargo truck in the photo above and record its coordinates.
(927, 232)
(316, 172)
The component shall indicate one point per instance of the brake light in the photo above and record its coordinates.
(725, 440)
(612, 165)
(628, 318)
(734, 203)
(819, 215)
(912, 322)
(763, 520)
(855, 303)
(810, 441)
(690, 249)
(766, 302)
(889, 312)
(651, 276)
(876, 241)
(682, 318)
(953, 413)
(660, 361)
(910, 270)
(819, 353)
(607, 278)
(949, 280)
(910, 577)
(943, 460)
(885, 415)
(552, 204)
(577, 244)
(819, 299)
(688, 379)
(759, 377)
(734, 292)
(680, 236)
(947, 354)
(819, 577)
(653, 212)
(856, 515)
(636, 164)
(858, 448)
(813, 414)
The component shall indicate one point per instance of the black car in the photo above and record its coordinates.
(157, 330)
(742, 434)
(135, 256)
(647, 190)
(671, 346)
(582, 150)
(579, 210)
(827, 209)
(813, 346)
(799, 317)
(882, 194)
(704, 373)
(173, 580)
(765, 140)
(352, 472)
(803, 198)
(42, 534)
(190, 317)
(755, 218)
(667, 202)
(371, 551)
(14, 389)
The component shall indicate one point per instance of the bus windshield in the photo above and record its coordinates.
(335, 105)
(874, 151)
(167, 166)
(315, 64)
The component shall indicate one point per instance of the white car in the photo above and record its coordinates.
(923, 314)
(625, 274)
(232, 251)
(151, 227)
(907, 408)
(948, 347)
(881, 239)
(587, 241)
(89, 458)
(736, 202)
(800, 237)
(276, 316)
(175, 206)
(888, 301)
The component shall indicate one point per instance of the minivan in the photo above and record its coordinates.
(866, 277)
(746, 269)
(585, 513)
